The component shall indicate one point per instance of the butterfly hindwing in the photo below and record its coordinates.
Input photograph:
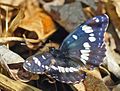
(38, 63)
(67, 71)
(58, 68)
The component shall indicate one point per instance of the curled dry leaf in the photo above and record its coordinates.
(40, 23)
(9, 56)
(113, 66)
(11, 63)
(26, 76)
(37, 21)
(108, 81)
(113, 58)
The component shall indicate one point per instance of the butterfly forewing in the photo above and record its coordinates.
(86, 42)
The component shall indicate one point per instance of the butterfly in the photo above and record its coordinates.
(85, 45)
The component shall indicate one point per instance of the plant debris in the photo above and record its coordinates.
(32, 27)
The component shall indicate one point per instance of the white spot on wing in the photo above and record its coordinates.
(86, 54)
(83, 60)
(92, 34)
(61, 69)
(53, 67)
(97, 20)
(43, 57)
(26, 61)
(68, 42)
(46, 67)
(37, 61)
(43, 66)
(101, 29)
(84, 57)
(86, 44)
(71, 69)
(29, 64)
(66, 69)
(87, 29)
(84, 51)
(92, 39)
(75, 37)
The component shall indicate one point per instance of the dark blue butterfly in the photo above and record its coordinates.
(83, 46)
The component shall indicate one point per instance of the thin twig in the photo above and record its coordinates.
(8, 39)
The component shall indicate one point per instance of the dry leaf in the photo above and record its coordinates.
(93, 82)
(68, 15)
(112, 14)
(40, 23)
(113, 65)
(113, 58)
(8, 58)
(37, 21)
(47, 6)
(12, 2)
(116, 3)
(108, 81)
(16, 21)
(79, 87)
(116, 88)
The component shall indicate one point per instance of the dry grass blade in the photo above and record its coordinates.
(14, 24)
(12, 85)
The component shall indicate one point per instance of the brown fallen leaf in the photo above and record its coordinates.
(116, 88)
(113, 59)
(7, 58)
(94, 82)
(37, 21)
(110, 8)
(108, 81)
(8, 84)
(116, 3)
(12, 2)
(68, 14)
(79, 87)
